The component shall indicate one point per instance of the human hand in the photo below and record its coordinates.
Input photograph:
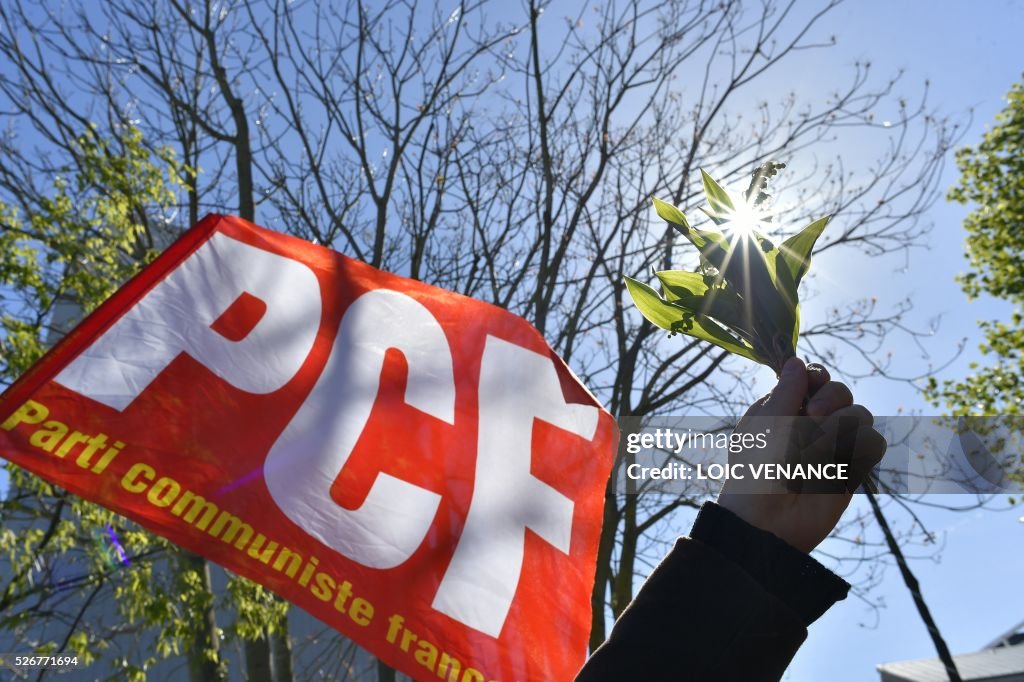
(804, 518)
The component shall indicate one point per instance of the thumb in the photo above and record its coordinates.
(788, 396)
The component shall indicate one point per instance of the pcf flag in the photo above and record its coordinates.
(413, 467)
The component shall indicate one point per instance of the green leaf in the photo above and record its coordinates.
(679, 319)
(691, 289)
(788, 292)
(712, 245)
(682, 285)
(720, 201)
(671, 214)
(770, 298)
(715, 218)
(744, 296)
(796, 325)
(792, 261)
(652, 306)
(795, 252)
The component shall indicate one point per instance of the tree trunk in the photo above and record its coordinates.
(622, 590)
(241, 143)
(602, 574)
(204, 663)
(915, 591)
(257, 660)
(281, 646)
(385, 673)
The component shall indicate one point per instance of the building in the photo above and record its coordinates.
(1002, 660)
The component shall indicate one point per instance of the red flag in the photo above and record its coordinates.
(414, 467)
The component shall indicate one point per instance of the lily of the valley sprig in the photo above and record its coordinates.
(743, 296)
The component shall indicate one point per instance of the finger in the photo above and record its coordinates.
(859, 411)
(817, 376)
(821, 448)
(829, 398)
(870, 449)
(787, 397)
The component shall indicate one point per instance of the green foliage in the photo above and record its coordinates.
(80, 243)
(992, 179)
(258, 609)
(74, 245)
(743, 297)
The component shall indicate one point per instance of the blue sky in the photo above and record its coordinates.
(971, 53)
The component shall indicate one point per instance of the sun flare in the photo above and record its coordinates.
(745, 220)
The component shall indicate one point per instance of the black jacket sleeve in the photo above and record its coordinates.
(729, 603)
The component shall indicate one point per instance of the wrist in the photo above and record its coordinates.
(765, 513)
(791, 575)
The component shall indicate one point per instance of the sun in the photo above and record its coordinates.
(745, 219)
